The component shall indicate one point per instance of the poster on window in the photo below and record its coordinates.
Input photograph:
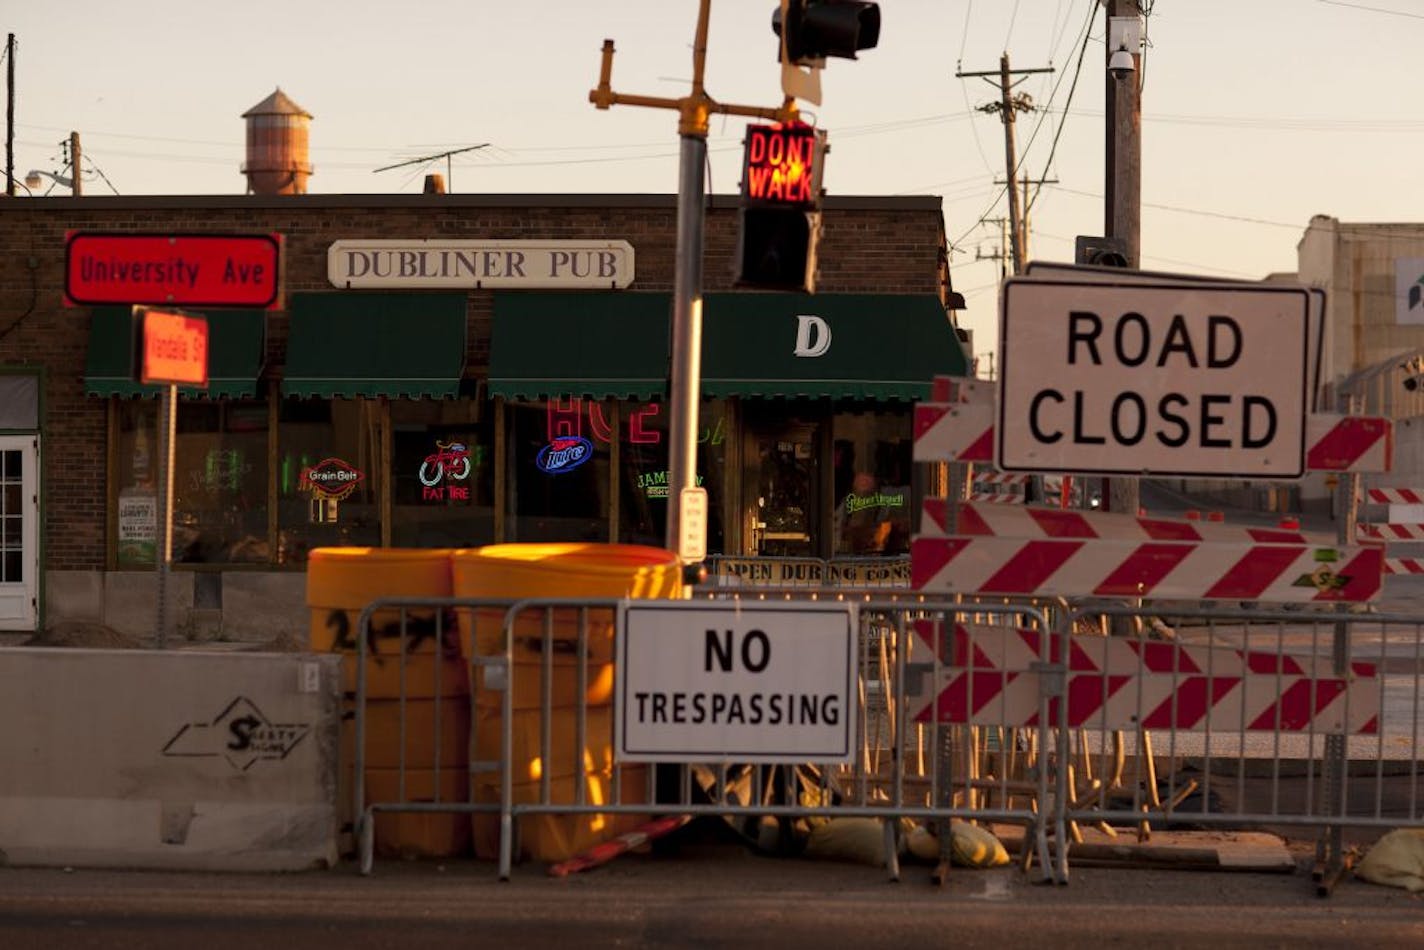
(1409, 290)
(138, 528)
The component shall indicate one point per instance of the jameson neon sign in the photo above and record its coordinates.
(563, 455)
(782, 165)
(655, 484)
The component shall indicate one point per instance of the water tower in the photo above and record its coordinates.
(277, 147)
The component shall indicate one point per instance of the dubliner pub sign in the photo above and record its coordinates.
(353, 264)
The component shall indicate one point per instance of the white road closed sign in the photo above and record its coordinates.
(726, 682)
(1183, 380)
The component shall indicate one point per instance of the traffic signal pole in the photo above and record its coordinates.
(685, 371)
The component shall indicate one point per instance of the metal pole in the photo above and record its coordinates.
(685, 380)
(169, 409)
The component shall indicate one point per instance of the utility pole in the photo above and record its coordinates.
(1123, 187)
(1026, 204)
(1001, 255)
(1007, 106)
(685, 376)
(72, 159)
(10, 116)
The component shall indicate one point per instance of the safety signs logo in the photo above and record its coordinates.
(240, 733)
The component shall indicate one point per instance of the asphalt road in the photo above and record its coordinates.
(704, 895)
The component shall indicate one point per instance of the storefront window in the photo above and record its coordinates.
(643, 476)
(443, 456)
(558, 458)
(219, 483)
(329, 476)
(871, 457)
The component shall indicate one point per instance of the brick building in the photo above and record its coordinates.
(460, 370)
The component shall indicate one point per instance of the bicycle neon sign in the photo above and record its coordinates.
(449, 460)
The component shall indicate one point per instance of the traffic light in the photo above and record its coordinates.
(780, 216)
(776, 249)
(1100, 251)
(815, 29)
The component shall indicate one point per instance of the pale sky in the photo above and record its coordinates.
(1256, 115)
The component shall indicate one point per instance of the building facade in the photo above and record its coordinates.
(451, 371)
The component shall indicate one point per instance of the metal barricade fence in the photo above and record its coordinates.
(1026, 715)
(1245, 719)
(549, 755)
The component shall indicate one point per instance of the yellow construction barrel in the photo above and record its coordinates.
(410, 734)
(575, 570)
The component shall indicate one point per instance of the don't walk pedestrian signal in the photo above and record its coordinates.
(780, 220)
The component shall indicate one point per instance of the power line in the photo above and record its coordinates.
(1361, 6)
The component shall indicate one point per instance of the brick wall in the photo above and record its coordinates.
(869, 245)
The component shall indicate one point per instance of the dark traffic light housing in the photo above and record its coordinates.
(815, 29)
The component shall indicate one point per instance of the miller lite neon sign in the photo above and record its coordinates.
(782, 165)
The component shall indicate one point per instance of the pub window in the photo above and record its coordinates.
(443, 459)
(559, 485)
(219, 483)
(871, 461)
(643, 476)
(328, 476)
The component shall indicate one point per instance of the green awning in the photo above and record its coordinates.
(373, 344)
(880, 346)
(237, 344)
(600, 345)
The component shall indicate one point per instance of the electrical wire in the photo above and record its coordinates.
(1058, 133)
(1361, 6)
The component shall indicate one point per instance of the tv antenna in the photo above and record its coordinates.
(449, 174)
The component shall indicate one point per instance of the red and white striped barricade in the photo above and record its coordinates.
(990, 677)
(1036, 521)
(1402, 526)
(1175, 570)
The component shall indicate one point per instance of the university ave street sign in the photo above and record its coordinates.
(1186, 379)
(179, 270)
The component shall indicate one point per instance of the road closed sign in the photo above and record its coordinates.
(1188, 379)
(723, 681)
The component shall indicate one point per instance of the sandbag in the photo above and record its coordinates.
(1396, 860)
(861, 840)
(969, 845)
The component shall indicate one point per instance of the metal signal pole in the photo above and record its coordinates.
(685, 372)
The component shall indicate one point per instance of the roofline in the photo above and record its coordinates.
(125, 202)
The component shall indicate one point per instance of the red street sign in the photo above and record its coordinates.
(782, 165)
(187, 270)
(173, 348)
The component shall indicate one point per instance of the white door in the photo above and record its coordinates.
(19, 531)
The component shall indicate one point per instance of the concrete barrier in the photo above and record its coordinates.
(176, 760)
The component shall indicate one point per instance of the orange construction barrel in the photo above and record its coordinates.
(549, 640)
(409, 731)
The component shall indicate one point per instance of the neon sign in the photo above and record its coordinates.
(449, 460)
(566, 420)
(331, 479)
(782, 165)
(564, 455)
(655, 484)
